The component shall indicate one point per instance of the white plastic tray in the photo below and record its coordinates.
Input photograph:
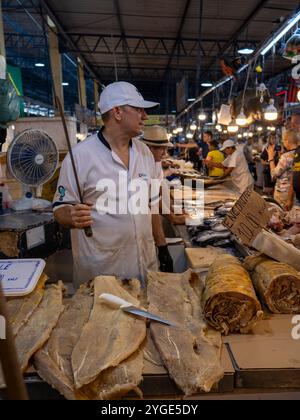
(19, 277)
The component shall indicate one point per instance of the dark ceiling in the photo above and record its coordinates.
(150, 43)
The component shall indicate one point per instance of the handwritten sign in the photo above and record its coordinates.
(248, 217)
(19, 277)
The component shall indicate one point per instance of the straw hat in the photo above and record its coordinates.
(155, 135)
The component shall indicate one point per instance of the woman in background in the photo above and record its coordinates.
(282, 173)
(268, 183)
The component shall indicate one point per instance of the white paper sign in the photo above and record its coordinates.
(19, 277)
(35, 237)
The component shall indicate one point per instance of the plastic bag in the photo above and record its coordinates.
(274, 247)
(225, 115)
(292, 47)
(9, 102)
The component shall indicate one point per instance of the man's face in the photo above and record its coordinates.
(133, 120)
(158, 152)
(295, 123)
(206, 138)
(229, 151)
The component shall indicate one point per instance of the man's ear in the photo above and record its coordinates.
(117, 112)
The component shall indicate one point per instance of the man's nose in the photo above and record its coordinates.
(144, 115)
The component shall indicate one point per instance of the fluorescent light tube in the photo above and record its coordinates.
(281, 34)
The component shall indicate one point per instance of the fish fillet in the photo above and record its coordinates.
(37, 330)
(109, 337)
(191, 352)
(53, 361)
(20, 309)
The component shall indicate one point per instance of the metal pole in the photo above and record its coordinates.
(198, 73)
(16, 389)
(2, 39)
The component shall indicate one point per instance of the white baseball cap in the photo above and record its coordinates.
(122, 93)
(227, 143)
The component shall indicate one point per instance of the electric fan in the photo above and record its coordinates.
(32, 159)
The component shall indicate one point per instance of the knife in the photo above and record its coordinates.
(117, 302)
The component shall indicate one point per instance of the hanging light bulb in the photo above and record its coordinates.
(271, 113)
(240, 136)
(189, 135)
(271, 128)
(202, 116)
(225, 131)
(251, 135)
(241, 119)
(218, 127)
(175, 131)
(214, 117)
(233, 127)
(298, 95)
(179, 129)
(193, 126)
(259, 129)
(245, 135)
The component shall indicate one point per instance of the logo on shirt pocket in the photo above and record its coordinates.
(62, 192)
(143, 176)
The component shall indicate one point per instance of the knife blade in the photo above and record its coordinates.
(117, 302)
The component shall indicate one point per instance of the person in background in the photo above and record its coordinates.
(214, 155)
(282, 172)
(203, 150)
(234, 165)
(268, 183)
(295, 181)
(249, 155)
(156, 138)
(204, 144)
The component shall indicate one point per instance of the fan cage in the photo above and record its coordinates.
(32, 157)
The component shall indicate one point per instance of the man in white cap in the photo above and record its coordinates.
(109, 164)
(234, 165)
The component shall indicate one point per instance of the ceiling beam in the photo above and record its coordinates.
(235, 36)
(67, 38)
(186, 8)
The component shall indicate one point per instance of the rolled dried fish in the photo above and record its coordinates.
(229, 300)
(277, 284)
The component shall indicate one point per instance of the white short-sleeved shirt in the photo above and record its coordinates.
(240, 175)
(122, 244)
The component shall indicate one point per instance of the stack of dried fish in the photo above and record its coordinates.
(229, 301)
(94, 351)
(191, 351)
(33, 319)
(277, 284)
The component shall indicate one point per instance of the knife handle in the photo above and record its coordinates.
(114, 301)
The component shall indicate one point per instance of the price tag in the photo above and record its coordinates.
(35, 237)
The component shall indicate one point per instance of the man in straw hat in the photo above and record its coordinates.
(123, 242)
(156, 138)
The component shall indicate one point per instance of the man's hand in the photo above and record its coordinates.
(165, 259)
(208, 163)
(81, 215)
